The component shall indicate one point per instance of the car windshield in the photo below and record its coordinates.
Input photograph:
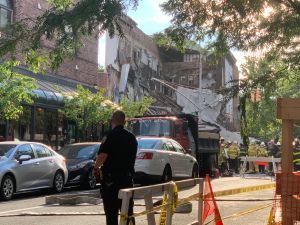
(148, 143)
(6, 150)
(79, 151)
(151, 127)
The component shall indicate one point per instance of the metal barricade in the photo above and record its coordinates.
(246, 159)
(147, 193)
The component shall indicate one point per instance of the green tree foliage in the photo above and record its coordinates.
(242, 24)
(87, 108)
(66, 23)
(15, 89)
(260, 115)
(166, 40)
(137, 108)
(268, 26)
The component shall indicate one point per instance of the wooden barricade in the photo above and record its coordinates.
(288, 183)
(148, 192)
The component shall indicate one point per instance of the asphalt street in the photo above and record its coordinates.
(30, 209)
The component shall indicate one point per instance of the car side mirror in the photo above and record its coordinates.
(23, 158)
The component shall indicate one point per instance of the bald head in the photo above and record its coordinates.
(118, 119)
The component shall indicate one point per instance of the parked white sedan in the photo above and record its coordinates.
(163, 159)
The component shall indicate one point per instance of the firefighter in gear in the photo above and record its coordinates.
(262, 152)
(252, 152)
(297, 155)
(233, 154)
(222, 156)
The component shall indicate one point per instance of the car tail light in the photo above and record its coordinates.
(144, 155)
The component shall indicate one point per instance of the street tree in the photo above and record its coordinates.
(261, 108)
(136, 108)
(86, 108)
(244, 25)
(270, 28)
(15, 90)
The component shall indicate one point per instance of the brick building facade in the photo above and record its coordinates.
(84, 67)
(42, 121)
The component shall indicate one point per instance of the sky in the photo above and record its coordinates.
(151, 19)
(149, 16)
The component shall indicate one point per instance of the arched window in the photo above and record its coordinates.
(6, 11)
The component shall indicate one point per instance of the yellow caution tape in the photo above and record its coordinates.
(248, 211)
(270, 220)
(123, 218)
(178, 202)
(163, 212)
(243, 190)
(175, 198)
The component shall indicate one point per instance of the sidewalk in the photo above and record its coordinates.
(93, 214)
(226, 183)
(223, 184)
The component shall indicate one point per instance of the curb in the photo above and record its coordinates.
(74, 199)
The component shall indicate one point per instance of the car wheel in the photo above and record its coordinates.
(58, 182)
(167, 174)
(195, 172)
(91, 180)
(7, 188)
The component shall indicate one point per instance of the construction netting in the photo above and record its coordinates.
(286, 208)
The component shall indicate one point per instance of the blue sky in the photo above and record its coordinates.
(149, 16)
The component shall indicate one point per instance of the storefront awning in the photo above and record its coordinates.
(52, 94)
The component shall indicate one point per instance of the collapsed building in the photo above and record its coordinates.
(180, 82)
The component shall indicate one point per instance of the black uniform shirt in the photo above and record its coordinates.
(121, 146)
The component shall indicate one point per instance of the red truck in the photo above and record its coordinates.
(200, 139)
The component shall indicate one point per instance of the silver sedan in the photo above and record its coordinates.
(26, 166)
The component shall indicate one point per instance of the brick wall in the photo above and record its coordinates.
(84, 67)
(138, 36)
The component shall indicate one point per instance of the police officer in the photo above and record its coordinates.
(116, 158)
(296, 155)
(233, 154)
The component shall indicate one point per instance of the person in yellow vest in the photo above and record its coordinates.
(252, 152)
(222, 156)
(262, 152)
(233, 155)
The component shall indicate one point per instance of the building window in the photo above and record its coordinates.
(23, 131)
(51, 124)
(6, 11)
